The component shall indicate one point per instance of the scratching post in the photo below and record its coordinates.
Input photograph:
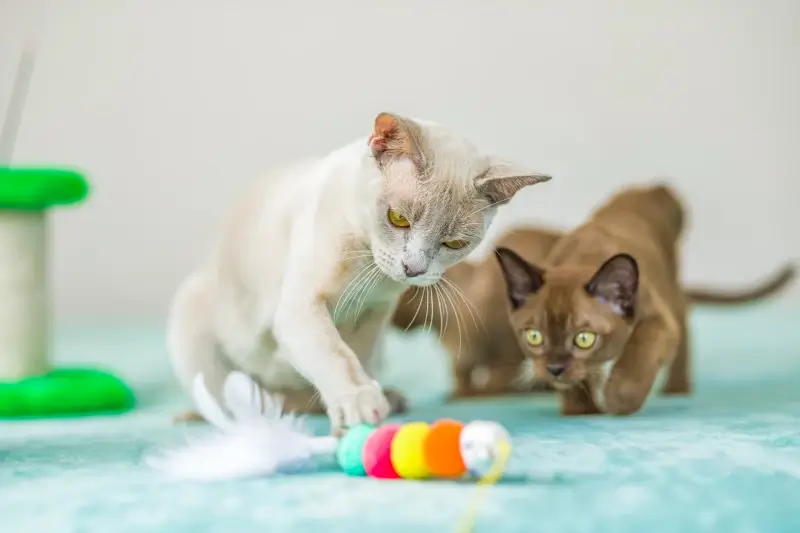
(23, 294)
(29, 385)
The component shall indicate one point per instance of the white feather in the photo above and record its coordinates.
(244, 398)
(207, 406)
(258, 440)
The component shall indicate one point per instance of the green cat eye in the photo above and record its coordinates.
(456, 244)
(397, 220)
(585, 339)
(534, 337)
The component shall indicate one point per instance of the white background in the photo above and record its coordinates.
(171, 106)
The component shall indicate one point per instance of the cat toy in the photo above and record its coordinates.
(257, 438)
(31, 386)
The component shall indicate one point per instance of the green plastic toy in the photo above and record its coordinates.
(29, 386)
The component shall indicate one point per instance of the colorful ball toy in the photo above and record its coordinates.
(256, 438)
(446, 449)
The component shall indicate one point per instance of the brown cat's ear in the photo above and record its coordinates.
(502, 181)
(522, 278)
(394, 136)
(616, 283)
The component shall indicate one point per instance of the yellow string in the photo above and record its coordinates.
(470, 516)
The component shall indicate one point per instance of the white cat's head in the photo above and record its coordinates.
(438, 196)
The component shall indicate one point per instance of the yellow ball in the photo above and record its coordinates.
(408, 451)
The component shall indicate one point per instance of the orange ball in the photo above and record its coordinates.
(442, 449)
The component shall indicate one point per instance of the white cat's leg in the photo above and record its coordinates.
(304, 328)
(366, 340)
(193, 347)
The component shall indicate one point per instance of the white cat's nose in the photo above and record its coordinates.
(412, 271)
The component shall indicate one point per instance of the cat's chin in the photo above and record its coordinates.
(421, 281)
(416, 281)
(562, 385)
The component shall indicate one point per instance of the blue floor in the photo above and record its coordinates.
(726, 459)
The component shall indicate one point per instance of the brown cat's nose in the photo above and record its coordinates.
(412, 272)
(556, 370)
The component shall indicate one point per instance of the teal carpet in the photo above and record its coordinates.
(726, 460)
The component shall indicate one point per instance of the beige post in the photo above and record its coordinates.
(24, 305)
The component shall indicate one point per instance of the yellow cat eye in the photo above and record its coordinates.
(585, 340)
(456, 244)
(534, 337)
(397, 220)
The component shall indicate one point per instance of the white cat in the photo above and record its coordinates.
(311, 264)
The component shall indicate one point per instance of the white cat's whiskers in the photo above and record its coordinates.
(428, 308)
(356, 254)
(448, 292)
(346, 293)
(369, 287)
(359, 288)
(437, 292)
(467, 303)
(445, 319)
(314, 396)
(345, 296)
(417, 292)
(431, 294)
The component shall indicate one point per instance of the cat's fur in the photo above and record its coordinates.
(487, 359)
(309, 267)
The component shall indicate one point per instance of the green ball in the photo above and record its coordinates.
(350, 449)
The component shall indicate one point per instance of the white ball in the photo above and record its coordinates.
(480, 445)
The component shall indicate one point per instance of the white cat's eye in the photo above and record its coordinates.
(456, 244)
(397, 220)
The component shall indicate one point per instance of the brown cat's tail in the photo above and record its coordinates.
(769, 288)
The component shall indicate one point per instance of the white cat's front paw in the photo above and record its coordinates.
(360, 404)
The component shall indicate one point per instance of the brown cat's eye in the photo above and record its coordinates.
(456, 244)
(585, 339)
(534, 337)
(397, 220)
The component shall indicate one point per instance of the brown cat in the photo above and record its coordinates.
(487, 358)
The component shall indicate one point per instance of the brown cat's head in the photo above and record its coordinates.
(571, 321)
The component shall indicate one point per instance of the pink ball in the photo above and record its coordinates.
(377, 455)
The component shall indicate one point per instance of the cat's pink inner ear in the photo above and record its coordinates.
(386, 127)
(392, 136)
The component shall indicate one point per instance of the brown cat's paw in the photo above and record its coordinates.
(398, 403)
(624, 398)
(579, 410)
(188, 417)
(578, 401)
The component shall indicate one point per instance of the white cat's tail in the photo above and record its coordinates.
(257, 439)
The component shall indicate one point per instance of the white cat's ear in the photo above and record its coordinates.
(394, 136)
(503, 180)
